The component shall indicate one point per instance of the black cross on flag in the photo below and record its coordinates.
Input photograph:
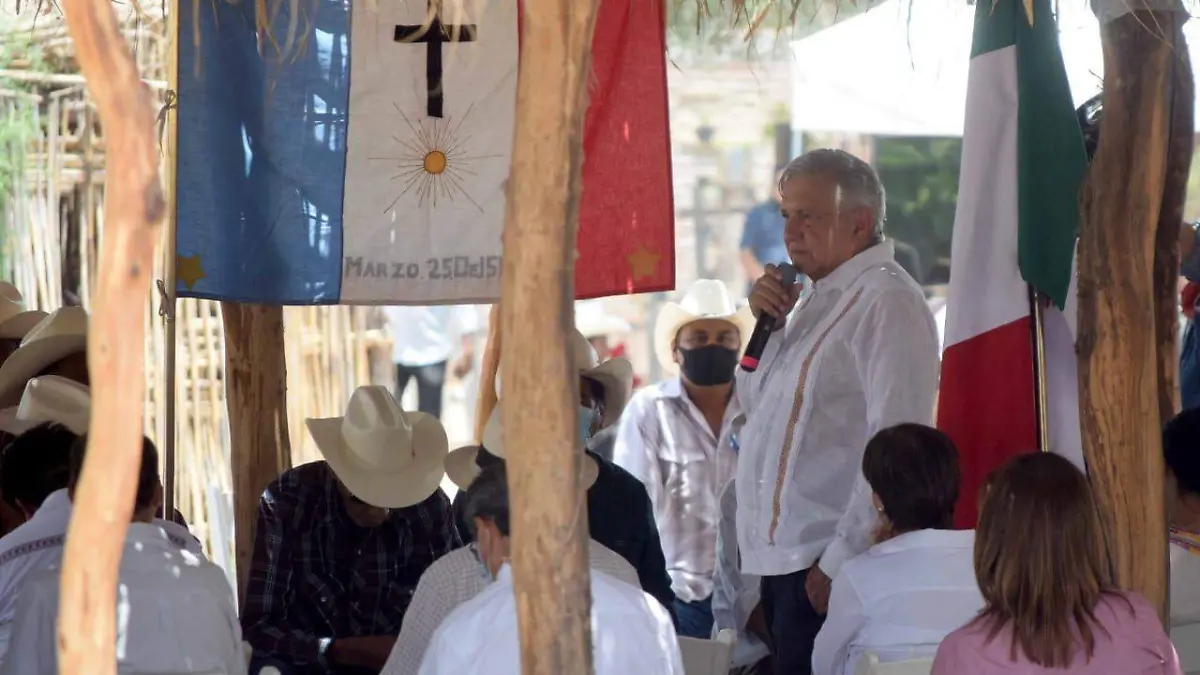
(434, 36)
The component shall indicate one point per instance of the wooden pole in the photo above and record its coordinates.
(489, 365)
(1135, 182)
(549, 516)
(134, 208)
(256, 396)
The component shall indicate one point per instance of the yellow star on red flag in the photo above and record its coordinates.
(643, 263)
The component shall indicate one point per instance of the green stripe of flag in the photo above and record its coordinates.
(1050, 154)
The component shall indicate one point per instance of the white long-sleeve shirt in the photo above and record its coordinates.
(38, 544)
(899, 600)
(454, 579)
(858, 354)
(665, 442)
(175, 614)
(631, 633)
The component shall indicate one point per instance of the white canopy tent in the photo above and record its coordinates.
(900, 69)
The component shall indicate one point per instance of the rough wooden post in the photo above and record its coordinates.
(489, 366)
(256, 396)
(549, 517)
(1133, 191)
(133, 210)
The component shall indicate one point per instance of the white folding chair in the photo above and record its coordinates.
(1186, 639)
(708, 657)
(869, 665)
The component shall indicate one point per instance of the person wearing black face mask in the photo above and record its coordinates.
(677, 437)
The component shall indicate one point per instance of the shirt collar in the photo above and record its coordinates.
(927, 539)
(56, 502)
(504, 575)
(847, 272)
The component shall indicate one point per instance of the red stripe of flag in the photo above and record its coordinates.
(626, 239)
(986, 404)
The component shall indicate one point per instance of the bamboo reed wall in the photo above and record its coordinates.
(52, 223)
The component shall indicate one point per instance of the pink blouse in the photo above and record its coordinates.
(1135, 644)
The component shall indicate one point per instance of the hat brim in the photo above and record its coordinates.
(607, 325)
(462, 470)
(672, 318)
(33, 358)
(415, 483)
(10, 424)
(616, 378)
(18, 326)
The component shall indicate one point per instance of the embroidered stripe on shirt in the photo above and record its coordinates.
(797, 403)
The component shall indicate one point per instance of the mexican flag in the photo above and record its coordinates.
(1014, 230)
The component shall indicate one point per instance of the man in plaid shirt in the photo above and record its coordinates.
(340, 544)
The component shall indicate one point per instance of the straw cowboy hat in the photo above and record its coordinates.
(462, 469)
(706, 299)
(384, 455)
(60, 334)
(15, 320)
(592, 320)
(615, 376)
(49, 399)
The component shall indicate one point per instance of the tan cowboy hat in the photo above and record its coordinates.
(49, 399)
(384, 455)
(592, 320)
(15, 320)
(60, 334)
(614, 375)
(462, 469)
(706, 299)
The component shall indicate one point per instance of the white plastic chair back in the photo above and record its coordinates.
(1186, 639)
(708, 657)
(869, 665)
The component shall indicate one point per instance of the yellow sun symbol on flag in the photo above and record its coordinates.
(433, 162)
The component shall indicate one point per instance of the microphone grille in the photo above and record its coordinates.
(788, 270)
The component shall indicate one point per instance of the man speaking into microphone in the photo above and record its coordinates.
(859, 354)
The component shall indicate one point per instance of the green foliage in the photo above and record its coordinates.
(18, 117)
(921, 176)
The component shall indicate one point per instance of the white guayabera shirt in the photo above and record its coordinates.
(454, 579)
(859, 354)
(175, 614)
(38, 544)
(631, 633)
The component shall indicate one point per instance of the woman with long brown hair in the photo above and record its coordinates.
(1051, 602)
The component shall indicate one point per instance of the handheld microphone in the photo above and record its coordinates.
(765, 325)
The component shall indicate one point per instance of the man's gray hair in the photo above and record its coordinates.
(858, 184)
(487, 496)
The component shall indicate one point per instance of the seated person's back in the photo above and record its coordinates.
(340, 544)
(35, 472)
(632, 633)
(917, 584)
(1050, 600)
(460, 575)
(175, 610)
(1181, 439)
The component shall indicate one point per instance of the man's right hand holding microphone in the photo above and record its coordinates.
(770, 295)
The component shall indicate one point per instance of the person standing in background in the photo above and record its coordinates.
(676, 437)
(423, 341)
(762, 236)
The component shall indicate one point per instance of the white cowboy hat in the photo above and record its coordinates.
(383, 454)
(49, 399)
(615, 376)
(592, 320)
(706, 299)
(461, 467)
(15, 320)
(60, 334)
